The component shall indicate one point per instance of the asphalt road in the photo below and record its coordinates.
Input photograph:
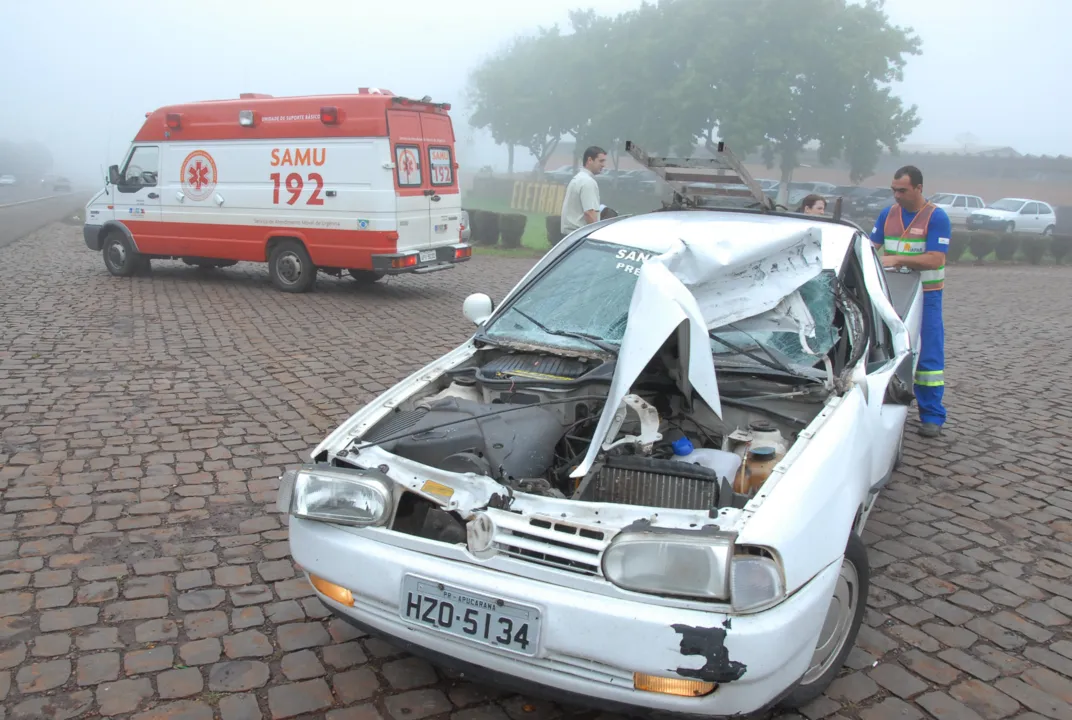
(19, 218)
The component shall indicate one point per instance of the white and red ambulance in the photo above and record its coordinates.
(365, 183)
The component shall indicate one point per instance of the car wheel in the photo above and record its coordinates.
(1048, 231)
(291, 268)
(365, 276)
(842, 623)
(1010, 227)
(121, 259)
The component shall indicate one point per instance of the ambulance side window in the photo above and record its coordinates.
(141, 169)
(442, 164)
(408, 165)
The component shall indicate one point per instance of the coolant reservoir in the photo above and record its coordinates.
(760, 463)
(766, 435)
(722, 462)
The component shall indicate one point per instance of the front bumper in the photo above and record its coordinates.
(422, 261)
(989, 223)
(91, 234)
(590, 646)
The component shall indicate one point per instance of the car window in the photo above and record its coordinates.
(442, 163)
(408, 165)
(961, 201)
(1045, 209)
(141, 168)
(589, 291)
(1008, 205)
(975, 202)
(1029, 209)
(942, 199)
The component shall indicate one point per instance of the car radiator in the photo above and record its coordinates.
(651, 482)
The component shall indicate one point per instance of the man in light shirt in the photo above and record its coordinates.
(580, 206)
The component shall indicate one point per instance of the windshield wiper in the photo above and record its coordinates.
(599, 343)
(774, 363)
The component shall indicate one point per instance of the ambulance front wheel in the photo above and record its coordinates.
(291, 268)
(120, 257)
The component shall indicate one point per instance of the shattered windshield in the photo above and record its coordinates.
(589, 291)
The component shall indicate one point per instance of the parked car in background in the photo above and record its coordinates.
(800, 190)
(7, 180)
(560, 175)
(958, 207)
(851, 196)
(61, 184)
(1015, 215)
(871, 205)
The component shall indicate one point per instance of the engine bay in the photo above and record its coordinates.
(526, 419)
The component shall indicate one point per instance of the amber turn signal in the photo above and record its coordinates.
(336, 592)
(672, 686)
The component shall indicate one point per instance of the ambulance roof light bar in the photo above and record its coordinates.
(684, 175)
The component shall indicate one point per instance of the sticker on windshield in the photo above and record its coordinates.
(626, 258)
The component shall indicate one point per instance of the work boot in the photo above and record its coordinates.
(930, 430)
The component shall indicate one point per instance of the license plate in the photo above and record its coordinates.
(473, 616)
(441, 228)
(428, 255)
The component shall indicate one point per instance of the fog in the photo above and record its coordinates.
(79, 75)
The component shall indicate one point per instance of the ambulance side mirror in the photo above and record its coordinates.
(477, 308)
(113, 174)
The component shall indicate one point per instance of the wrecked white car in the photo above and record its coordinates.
(641, 483)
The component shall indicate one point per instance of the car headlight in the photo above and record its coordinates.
(335, 495)
(756, 582)
(668, 564)
(703, 567)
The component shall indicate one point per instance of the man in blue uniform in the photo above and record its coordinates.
(915, 234)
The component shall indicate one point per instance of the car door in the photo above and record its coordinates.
(1047, 217)
(896, 301)
(412, 190)
(137, 199)
(444, 204)
(958, 212)
(1028, 220)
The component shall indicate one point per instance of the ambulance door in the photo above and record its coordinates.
(137, 199)
(446, 204)
(412, 189)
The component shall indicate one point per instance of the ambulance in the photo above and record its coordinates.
(363, 183)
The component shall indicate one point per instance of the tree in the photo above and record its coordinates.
(520, 96)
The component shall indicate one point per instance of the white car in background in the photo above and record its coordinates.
(7, 180)
(641, 483)
(1021, 215)
(958, 207)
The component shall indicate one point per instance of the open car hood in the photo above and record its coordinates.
(700, 284)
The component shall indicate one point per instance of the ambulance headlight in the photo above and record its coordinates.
(338, 495)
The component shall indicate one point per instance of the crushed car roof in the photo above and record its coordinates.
(729, 235)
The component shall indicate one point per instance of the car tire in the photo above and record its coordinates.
(846, 613)
(1048, 231)
(365, 276)
(290, 267)
(1010, 227)
(120, 257)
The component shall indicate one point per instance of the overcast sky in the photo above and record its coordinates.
(79, 75)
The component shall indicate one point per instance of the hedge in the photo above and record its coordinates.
(958, 245)
(1035, 248)
(553, 223)
(513, 227)
(983, 243)
(1060, 246)
(1006, 247)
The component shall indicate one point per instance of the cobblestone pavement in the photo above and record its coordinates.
(145, 421)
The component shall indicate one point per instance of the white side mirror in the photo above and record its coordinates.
(477, 308)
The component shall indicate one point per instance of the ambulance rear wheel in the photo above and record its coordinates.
(365, 276)
(291, 268)
(120, 257)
